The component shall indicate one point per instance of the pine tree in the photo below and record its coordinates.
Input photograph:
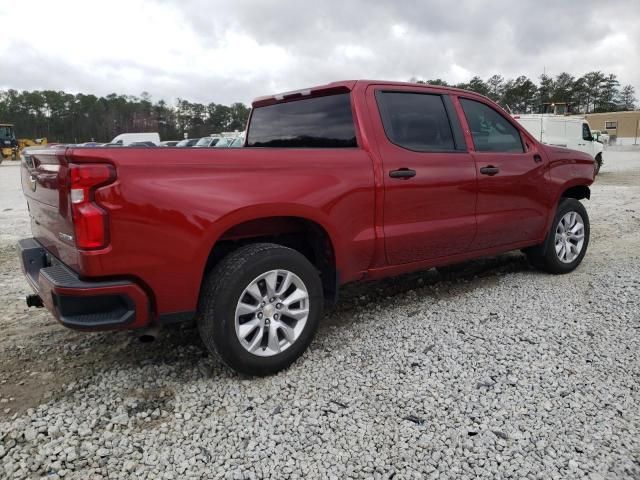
(627, 100)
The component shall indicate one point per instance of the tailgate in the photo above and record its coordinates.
(44, 183)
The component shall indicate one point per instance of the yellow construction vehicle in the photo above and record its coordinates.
(10, 147)
(8, 142)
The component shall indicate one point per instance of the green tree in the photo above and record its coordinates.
(627, 100)
(476, 84)
(519, 95)
(545, 91)
(608, 94)
(436, 81)
(495, 85)
(592, 82)
(64, 117)
(563, 88)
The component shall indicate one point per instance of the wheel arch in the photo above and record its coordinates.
(304, 232)
(579, 192)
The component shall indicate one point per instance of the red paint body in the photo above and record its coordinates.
(168, 207)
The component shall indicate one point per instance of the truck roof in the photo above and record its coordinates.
(346, 86)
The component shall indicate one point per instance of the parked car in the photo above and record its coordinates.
(187, 142)
(142, 144)
(207, 142)
(169, 143)
(237, 142)
(126, 139)
(225, 142)
(569, 132)
(350, 181)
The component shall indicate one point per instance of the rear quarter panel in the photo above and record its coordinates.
(169, 206)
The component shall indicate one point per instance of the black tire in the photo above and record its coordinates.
(221, 291)
(544, 256)
(598, 163)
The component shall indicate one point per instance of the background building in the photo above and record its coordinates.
(622, 127)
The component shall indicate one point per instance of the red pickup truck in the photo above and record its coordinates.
(349, 181)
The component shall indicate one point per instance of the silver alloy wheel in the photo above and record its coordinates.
(272, 312)
(569, 237)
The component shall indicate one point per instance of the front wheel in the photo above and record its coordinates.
(566, 242)
(259, 308)
(598, 163)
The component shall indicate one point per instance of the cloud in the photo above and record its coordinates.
(236, 50)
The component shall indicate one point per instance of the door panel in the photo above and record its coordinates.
(431, 214)
(513, 186)
(511, 206)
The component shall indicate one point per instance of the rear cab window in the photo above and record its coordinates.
(491, 132)
(316, 122)
(419, 121)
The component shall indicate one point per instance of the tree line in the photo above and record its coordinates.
(69, 118)
(65, 117)
(592, 92)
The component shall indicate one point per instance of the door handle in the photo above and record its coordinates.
(537, 158)
(405, 173)
(489, 170)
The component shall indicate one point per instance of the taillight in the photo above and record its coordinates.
(89, 220)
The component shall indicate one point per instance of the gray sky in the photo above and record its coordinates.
(226, 51)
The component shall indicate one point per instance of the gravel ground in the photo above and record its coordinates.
(493, 371)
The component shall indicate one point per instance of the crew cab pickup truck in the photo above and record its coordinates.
(349, 181)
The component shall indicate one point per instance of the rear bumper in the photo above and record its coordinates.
(80, 304)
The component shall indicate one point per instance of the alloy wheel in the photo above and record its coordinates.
(272, 312)
(569, 237)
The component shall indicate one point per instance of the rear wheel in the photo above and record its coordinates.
(260, 307)
(566, 242)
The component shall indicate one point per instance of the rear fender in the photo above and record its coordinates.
(257, 212)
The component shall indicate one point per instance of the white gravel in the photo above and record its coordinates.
(496, 371)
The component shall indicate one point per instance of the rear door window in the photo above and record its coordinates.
(416, 121)
(317, 122)
(491, 132)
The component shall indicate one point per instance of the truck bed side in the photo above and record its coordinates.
(168, 207)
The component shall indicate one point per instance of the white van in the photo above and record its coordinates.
(569, 132)
(125, 139)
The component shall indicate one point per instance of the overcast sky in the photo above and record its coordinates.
(226, 51)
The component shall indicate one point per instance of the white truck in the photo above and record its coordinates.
(126, 139)
(561, 131)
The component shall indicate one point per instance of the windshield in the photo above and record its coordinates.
(204, 142)
(6, 133)
(224, 142)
